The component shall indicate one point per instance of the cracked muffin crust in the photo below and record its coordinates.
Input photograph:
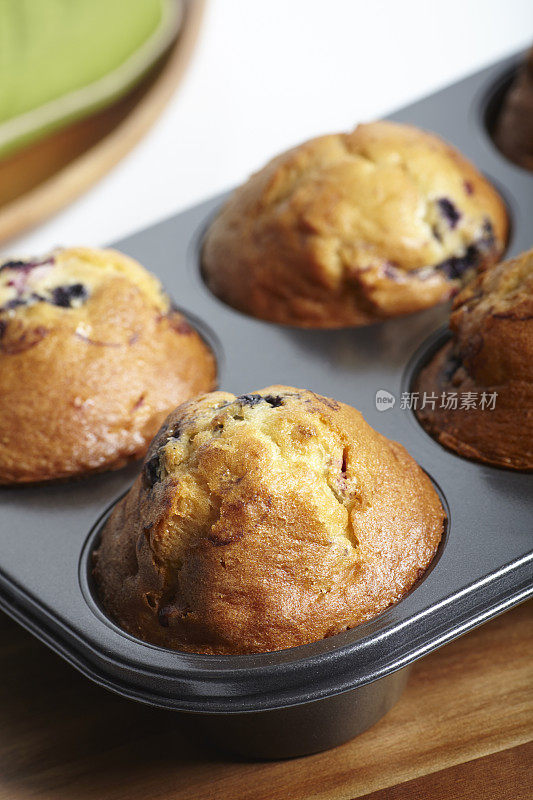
(353, 228)
(491, 351)
(263, 522)
(92, 358)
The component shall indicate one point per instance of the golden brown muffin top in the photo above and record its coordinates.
(265, 521)
(492, 321)
(41, 289)
(386, 190)
(351, 227)
(489, 359)
(92, 358)
(283, 448)
(505, 290)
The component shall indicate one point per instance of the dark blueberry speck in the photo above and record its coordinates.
(449, 211)
(273, 400)
(15, 303)
(12, 265)
(391, 270)
(451, 367)
(27, 266)
(254, 399)
(175, 433)
(455, 266)
(20, 301)
(249, 399)
(436, 233)
(64, 295)
(488, 234)
(469, 187)
(162, 616)
(151, 471)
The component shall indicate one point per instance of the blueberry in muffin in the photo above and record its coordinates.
(92, 359)
(265, 521)
(353, 228)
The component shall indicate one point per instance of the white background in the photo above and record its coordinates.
(267, 74)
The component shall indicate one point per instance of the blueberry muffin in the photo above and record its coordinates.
(265, 521)
(92, 359)
(487, 370)
(514, 127)
(353, 228)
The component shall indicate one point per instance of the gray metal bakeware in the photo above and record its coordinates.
(309, 698)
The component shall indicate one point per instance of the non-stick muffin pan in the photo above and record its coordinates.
(308, 698)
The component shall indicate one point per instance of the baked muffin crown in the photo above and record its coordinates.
(483, 316)
(92, 357)
(265, 521)
(285, 438)
(490, 355)
(352, 228)
(69, 277)
(80, 291)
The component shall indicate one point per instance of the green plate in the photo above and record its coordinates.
(60, 60)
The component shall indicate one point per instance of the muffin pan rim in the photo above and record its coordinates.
(237, 702)
(90, 592)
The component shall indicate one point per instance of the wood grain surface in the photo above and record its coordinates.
(44, 177)
(463, 729)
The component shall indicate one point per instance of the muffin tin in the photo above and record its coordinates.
(309, 698)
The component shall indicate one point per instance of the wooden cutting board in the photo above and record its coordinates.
(463, 730)
(44, 177)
